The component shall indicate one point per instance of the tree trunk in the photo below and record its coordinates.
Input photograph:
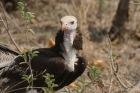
(121, 16)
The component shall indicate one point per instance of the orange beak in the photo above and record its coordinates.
(63, 27)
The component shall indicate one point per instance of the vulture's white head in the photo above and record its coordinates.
(69, 26)
(68, 23)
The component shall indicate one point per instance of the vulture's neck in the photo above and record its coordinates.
(70, 51)
(69, 36)
(67, 44)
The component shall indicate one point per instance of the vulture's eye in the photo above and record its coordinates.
(72, 22)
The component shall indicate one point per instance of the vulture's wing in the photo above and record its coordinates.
(6, 55)
(47, 61)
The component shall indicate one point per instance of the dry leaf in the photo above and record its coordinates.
(72, 85)
(23, 49)
(33, 21)
(116, 40)
(50, 43)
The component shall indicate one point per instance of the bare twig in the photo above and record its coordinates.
(16, 25)
(111, 79)
(31, 71)
(115, 70)
(74, 5)
(7, 27)
(110, 50)
(24, 88)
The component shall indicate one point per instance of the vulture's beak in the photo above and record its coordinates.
(63, 27)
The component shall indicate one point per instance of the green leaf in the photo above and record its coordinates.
(114, 57)
(78, 86)
(20, 4)
(45, 91)
(31, 31)
(49, 80)
(67, 89)
(32, 79)
(26, 15)
(22, 63)
(27, 89)
(94, 72)
(77, 90)
(25, 75)
(33, 55)
(55, 85)
(80, 80)
(36, 52)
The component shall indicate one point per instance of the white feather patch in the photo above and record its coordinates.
(69, 55)
(4, 64)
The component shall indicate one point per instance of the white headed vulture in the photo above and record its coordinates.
(60, 60)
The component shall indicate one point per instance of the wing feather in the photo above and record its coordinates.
(5, 49)
(47, 61)
(6, 55)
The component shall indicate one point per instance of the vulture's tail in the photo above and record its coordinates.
(6, 55)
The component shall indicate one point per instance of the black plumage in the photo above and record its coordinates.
(49, 60)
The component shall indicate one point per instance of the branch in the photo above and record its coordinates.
(7, 27)
(111, 79)
(115, 70)
(24, 88)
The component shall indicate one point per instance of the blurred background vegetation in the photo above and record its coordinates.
(96, 18)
